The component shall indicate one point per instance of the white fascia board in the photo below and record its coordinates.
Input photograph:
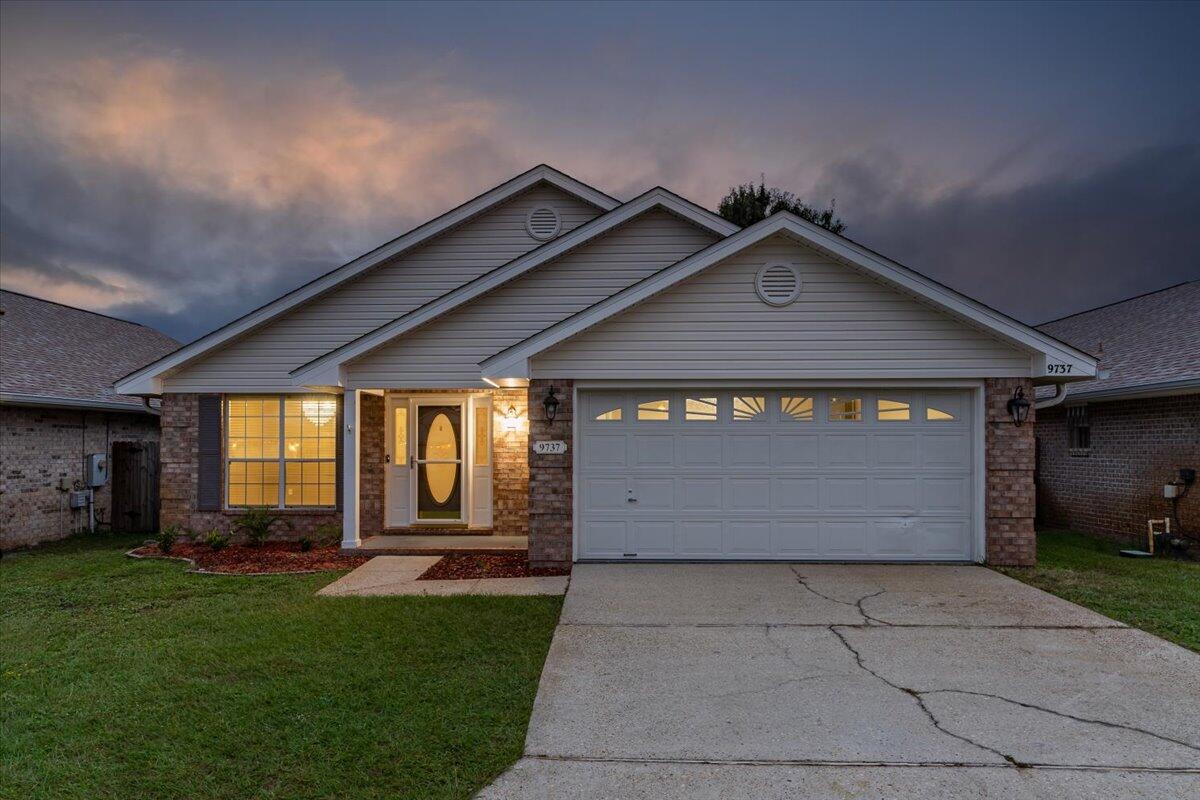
(148, 379)
(1044, 350)
(326, 368)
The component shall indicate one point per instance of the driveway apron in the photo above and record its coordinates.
(776, 680)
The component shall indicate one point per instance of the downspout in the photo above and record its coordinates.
(151, 409)
(1060, 394)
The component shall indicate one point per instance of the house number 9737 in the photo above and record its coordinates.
(1058, 369)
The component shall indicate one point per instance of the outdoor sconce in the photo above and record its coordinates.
(1018, 406)
(511, 420)
(550, 404)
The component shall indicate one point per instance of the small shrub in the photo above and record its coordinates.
(327, 535)
(256, 524)
(166, 538)
(306, 544)
(216, 539)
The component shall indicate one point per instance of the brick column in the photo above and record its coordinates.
(510, 465)
(1011, 494)
(179, 425)
(371, 467)
(550, 478)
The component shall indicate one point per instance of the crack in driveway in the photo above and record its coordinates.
(919, 695)
(857, 605)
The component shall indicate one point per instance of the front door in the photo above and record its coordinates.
(438, 460)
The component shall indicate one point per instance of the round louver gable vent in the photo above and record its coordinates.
(543, 223)
(777, 284)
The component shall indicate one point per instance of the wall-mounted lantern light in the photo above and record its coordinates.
(550, 404)
(512, 420)
(1018, 406)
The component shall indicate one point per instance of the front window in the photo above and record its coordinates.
(281, 451)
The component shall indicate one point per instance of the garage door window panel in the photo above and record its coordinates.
(796, 408)
(893, 409)
(749, 407)
(700, 409)
(654, 411)
(843, 408)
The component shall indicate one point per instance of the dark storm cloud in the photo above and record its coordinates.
(1068, 241)
(183, 163)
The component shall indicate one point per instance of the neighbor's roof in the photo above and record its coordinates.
(1149, 343)
(56, 355)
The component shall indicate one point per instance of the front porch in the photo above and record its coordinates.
(443, 544)
(435, 471)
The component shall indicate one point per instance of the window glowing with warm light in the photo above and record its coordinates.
(282, 450)
(846, 409)
(654, 410)
(483, 436)
(796, 408)
(612, 415)
(700, 409)
(749, 407)
(937, 415)
(892, 410)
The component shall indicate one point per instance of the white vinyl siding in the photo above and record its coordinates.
(261, 360)
(449, 350)
(714, 325)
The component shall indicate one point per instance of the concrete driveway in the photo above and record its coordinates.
(775, 680)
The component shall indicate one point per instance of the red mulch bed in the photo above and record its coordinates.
(471, 567)
(274, 557)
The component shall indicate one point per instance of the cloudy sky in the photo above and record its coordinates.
(181, 164)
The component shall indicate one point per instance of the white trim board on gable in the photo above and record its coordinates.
(1049, 358)
(148, 380)
(328, 369)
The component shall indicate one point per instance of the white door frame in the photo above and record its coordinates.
(466, 402)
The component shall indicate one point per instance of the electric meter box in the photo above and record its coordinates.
(95, 468)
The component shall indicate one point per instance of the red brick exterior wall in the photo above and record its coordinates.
(41, 448)
(1136, 447)
(178, 458)
(510, 464)
(550, 478)
(371, 476)
(1009, 459)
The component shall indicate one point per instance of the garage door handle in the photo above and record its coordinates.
(629, 498)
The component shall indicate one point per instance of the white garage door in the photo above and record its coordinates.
(853, 475)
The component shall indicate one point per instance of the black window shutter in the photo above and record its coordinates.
(208, 468)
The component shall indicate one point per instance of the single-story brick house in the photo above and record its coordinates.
(618, 380)
(1107, 446)
(57, 406)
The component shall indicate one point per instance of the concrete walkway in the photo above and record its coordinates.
(756, 680)
(397, 576)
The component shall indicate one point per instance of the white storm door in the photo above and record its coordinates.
(481, 462)
(397, 481)
(437, 463)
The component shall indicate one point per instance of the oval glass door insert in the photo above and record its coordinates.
(442, 445)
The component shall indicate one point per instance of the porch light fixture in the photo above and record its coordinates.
(511, 420)
(550, 403)
(1018, 406)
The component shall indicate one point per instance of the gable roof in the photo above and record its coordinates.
(148, 379)
(325, 369)
(61, 356)
(1044, 349)
(1148, 343)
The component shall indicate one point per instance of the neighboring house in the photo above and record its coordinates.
(57, 406)
(777, 392)
(1107, 448)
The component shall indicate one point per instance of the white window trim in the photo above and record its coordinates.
(282, 459)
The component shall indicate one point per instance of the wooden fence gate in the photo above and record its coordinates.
(135, 487)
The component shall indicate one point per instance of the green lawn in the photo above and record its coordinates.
(1158, 595)
(132, 679)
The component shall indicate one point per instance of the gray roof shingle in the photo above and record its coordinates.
(1144, 341)
(49, 350)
